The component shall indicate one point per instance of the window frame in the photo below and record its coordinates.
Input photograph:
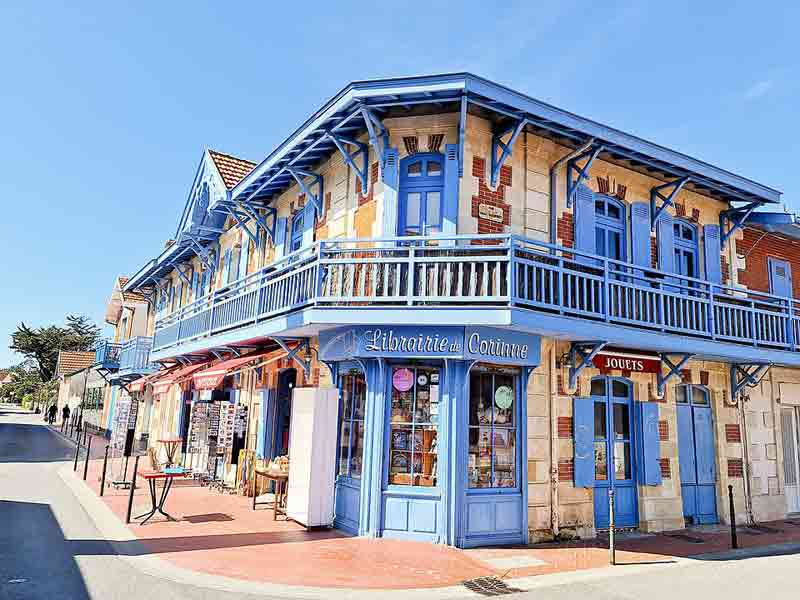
(682, 244)
(606, 223)
(355, 372)
(296, 231)
(422, 184)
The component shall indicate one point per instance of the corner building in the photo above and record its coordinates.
(522, 310)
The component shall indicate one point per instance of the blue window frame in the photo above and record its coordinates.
(421, 194)
(296, 239)
(353, 392)
(686, 252)
(609, 227)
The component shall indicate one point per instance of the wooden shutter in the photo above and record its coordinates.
(649, 444)
(244, 256)
(233, 267)
(665, 237)
(640, 234)
(711, 252)
(281, 226)
(585, 222)
(450, 193)
(583, 452)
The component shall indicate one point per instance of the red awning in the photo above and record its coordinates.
(162, 385)
(139, 384)
(212, 378)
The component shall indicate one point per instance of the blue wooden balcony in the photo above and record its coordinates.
(134, 358)
(570, 293)
(106, 355)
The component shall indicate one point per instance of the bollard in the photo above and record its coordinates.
(105, 466)
(734, 540)
(133, 487)
(86, 461)
(612, 559)
(77, 450)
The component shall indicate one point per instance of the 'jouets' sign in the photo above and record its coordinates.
(627, 362)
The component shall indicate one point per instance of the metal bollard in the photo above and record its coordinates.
(86, 460)
(105, 466)
(734, 540)
(612, 559)
(77, 450)
(133, 487)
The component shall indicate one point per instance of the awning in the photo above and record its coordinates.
(138, 385)
(211, 378)
(165, 382)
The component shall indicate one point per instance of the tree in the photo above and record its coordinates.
(42, 344)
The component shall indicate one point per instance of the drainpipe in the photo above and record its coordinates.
(554, 523)
(553, 183)
(748, 501)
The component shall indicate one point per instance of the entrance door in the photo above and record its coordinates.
(614, 452)
(696, 454)
(790, 430)
(780, 277)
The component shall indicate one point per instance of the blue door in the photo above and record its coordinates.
(421, 193)
(685, 248)
(614, 452)
(696, 454)
(780, 277)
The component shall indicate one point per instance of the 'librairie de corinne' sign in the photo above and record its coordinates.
(489, 344)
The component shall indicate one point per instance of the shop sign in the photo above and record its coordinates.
(503, 397)
(635, 363)
(488, 344)
(490, 213)
(403, 380)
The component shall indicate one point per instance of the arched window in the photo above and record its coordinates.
(296, 240)
(421, 187)
(686, 244)
(609, 227)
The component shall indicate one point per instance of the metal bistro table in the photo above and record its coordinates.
(171, 448)
(168, 475)
(280, 479)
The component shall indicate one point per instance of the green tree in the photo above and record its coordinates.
(42, 344)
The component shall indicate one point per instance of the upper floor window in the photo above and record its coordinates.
(609, 227)
(421, 191)
(296, 239)
(685, 240)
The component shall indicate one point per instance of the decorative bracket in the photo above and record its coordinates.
(586, 351)
(293, 353)
(378, 136)
(577, 174)
(361, 150)
(183, 275)
(299, 175)
(504, 148)
(202, 253)
(674, 370)
(735, 218)
(744, 375)
(240, 222)
(658, 193)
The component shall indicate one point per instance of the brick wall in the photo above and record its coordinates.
(373, 179)
(565, 230)
(666, 471)
(732, 433)
(566, 470)
(496, 198)
(757, 248)
(564, 427)
(663, 431)
(735, 467)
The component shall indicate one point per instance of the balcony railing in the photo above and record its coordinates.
(489, 271)
(134, 356)
(106, 355)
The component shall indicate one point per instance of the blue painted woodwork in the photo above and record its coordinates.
(421, 191)
(733, 219)
(106, 355)
(780, 277)
(577, 174)
(298, 227)
(686, 249)
(696, 454)
(657, 193)
(452, 166)
(640, 234)
(233, 270)
(281, 226)
(615, 452)
(711, 252)
(391, 189)
(585, 222)
(648, 445)
(583, 434)
(134, 359)
(501, 150)
(611, 228)
(112, 407)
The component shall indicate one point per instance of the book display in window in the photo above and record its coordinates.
(491, 461)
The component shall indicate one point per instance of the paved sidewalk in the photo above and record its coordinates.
(220, 535)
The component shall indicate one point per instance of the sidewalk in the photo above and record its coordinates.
(220, 535)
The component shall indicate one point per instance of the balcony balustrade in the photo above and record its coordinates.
(106, 355)
(503, 271)
(134, 357)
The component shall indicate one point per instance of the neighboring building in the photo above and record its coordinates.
(75, 376)
(522, 309)
(5, 376)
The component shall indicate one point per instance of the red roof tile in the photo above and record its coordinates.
(134, 297)
(72, 361)
(231, 168)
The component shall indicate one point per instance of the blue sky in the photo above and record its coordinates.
(105, 109)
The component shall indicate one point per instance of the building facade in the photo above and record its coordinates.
(522, 309)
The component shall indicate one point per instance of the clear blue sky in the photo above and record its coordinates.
(105, 109)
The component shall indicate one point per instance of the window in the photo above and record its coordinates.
(609, 227)
(685, 238)
(296, 240)
(492, 430)
(421, 190)
(413, 433)
(351, 431)
(692, 394)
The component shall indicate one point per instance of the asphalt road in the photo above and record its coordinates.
(50, 548)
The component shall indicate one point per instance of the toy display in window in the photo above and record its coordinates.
(492, 430)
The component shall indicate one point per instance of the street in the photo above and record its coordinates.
(50, 548)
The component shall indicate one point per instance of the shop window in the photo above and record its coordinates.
(351, 430)
(492, 430)
(415, 417)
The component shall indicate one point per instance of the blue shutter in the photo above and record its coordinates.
(585, 222)
(309, 221)
(261, 439)
(665, 234)
(649, 449)
(244, 255)
(195, 285)
(711, 252)
(450, 208)
(640, 234)
(233, 269)
(226, 266)
(281, 227)
(583, 454)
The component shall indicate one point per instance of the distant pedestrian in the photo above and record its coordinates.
(65, 414)
(51, 414)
